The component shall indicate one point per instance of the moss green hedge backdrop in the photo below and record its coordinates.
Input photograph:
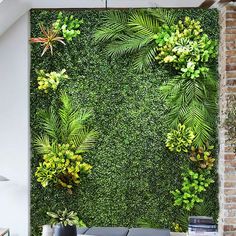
(133, 172)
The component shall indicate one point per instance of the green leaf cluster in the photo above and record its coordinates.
(202, 156)
(180, 140)
(193, 103)
(186, 48)
(134, 33)
(193, 185)
(130, 155)
(65, 217)
(65, 139)
(50, 81)
(62, 166)
(69, 26)
(191, 95)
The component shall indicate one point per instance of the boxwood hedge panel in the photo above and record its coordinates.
(133, 173)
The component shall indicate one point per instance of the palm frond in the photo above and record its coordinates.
(42, 145)
(71, 119)
(197, 117)
(115, 22)
(203, 209)
(131, 34)
(145, 57)
(127, 45)
(49, 122)
(165, 16)
(191, 102)
(85, 140)
(64, 126)
(142, 24)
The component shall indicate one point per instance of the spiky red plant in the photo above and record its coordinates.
(49, 39)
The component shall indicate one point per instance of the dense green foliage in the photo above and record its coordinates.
(64, 141)
(186, 48)
(133, 172)
(192, 95)
(133, 33)
(193, 185)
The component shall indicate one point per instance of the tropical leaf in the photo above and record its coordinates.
(50, 123)
(142, 24)
(115, 23)
(85, 140)
(42, 144)
(192, 102)
(64, 126)
(133, 33)
(127, 45)
(165, 16)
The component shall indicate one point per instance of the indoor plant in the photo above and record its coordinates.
(65, 222)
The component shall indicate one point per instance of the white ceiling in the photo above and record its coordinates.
(154, 3)
(11, 10)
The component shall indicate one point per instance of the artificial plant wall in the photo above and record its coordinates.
(133, 172)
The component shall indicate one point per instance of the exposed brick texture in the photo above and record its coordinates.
(227, 157)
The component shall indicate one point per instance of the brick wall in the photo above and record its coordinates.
(227, 157)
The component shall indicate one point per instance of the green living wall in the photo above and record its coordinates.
(133, 172)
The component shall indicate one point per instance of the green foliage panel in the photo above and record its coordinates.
(133, 172)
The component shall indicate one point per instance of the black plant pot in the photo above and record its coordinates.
(60, 230)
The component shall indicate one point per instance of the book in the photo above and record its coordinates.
(203, 234)
(212, 226)
(201, 220)
(202, 229)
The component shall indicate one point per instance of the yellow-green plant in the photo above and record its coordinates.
(203, 156)
(69, 26)
(180, 140)
(193, 185)
(186, 48)
(50, 81)
(176, 227)
(61, 166)
(64, 140)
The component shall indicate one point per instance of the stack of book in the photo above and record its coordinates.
(202, 226)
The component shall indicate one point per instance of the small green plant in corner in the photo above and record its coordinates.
(62, 145)
(50, 81)
(65, 217)
(69, 26)
(180, 140)
(193, 185)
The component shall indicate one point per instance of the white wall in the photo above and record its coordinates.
(14, 127)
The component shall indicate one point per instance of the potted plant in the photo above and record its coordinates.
(65, 222)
